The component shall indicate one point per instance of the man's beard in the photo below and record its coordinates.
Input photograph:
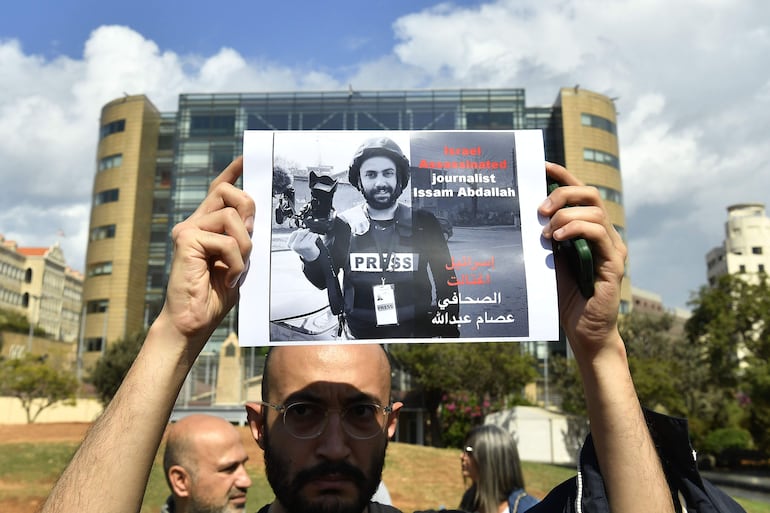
(199, 507)
(369, 195)
(288, 489)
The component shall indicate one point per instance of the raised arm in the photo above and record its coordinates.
(109, 471)
(630, 466)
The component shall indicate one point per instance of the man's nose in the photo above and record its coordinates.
(333, 441)
(244, 479)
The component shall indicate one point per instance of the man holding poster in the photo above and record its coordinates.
(395, 260)
(633, 463)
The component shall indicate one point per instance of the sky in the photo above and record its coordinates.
(691, 80)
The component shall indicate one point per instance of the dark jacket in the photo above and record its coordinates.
(585, 492)
(418, 259)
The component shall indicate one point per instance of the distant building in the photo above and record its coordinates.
(649, 303)
(37, 283)
(745, 250)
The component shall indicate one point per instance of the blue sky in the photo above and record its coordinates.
(691, 79)
(324, 34)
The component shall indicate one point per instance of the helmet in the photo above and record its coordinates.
(380, 147)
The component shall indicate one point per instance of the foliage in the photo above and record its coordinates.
(112, 367)
(726, 438)
(496, 370)
(460, 411)
(15, 322)
(716, 373)
(730, 326)
(568, 385)
(36, 384)
(660, 362)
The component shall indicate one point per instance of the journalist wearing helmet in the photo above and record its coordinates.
(394, 258)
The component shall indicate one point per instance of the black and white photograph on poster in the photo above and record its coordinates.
(397, 236)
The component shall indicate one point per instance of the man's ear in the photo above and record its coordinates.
(179, 480)
(255, 413)
(393, 418)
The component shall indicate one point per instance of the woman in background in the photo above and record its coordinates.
(490, 460)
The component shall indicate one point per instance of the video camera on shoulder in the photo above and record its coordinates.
(317, 215)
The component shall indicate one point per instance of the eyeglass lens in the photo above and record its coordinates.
(308, 420)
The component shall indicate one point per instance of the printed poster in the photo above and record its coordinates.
(397, 236)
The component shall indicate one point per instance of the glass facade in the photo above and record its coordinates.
(206, 132)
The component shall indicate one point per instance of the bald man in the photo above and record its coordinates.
(204, 464)
(324, 423)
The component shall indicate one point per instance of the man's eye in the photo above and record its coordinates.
(362, 411)
(303, 410)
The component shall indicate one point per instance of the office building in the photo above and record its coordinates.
(154, 169)
(745, 250)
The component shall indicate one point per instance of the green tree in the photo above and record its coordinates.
(658, 360)
(730, 326)
(36, 384)
(112, 367)
(488, 370)
(16, 323)
(566, 382)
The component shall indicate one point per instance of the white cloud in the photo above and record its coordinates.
(693, 102)
(49, 119)
(693, 99)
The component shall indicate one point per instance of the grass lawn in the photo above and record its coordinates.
(418, 478)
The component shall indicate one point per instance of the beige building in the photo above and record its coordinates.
(591, 151)
(117, 255)
(37, 283)
(746, 247)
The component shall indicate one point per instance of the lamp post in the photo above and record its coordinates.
(29, 320)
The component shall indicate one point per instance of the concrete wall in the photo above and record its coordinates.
(86, 410)
(542, 435)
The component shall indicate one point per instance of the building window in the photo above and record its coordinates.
(103, 232)
(609, 194)
(110, 161)
(601, 157)
(108, 196)
(93, 344)
(756, 250)
(761, 268)
(97, 306)
(489, 120)
(202, 125)
(741, 268)
(112, 128)
(598, 122)
(100, 269)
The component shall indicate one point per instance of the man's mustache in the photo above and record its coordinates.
(339, 468)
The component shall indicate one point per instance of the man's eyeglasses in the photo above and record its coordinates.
(308, 420)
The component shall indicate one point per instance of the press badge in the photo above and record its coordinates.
(385, 304)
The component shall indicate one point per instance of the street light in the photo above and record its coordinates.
(29, 319)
